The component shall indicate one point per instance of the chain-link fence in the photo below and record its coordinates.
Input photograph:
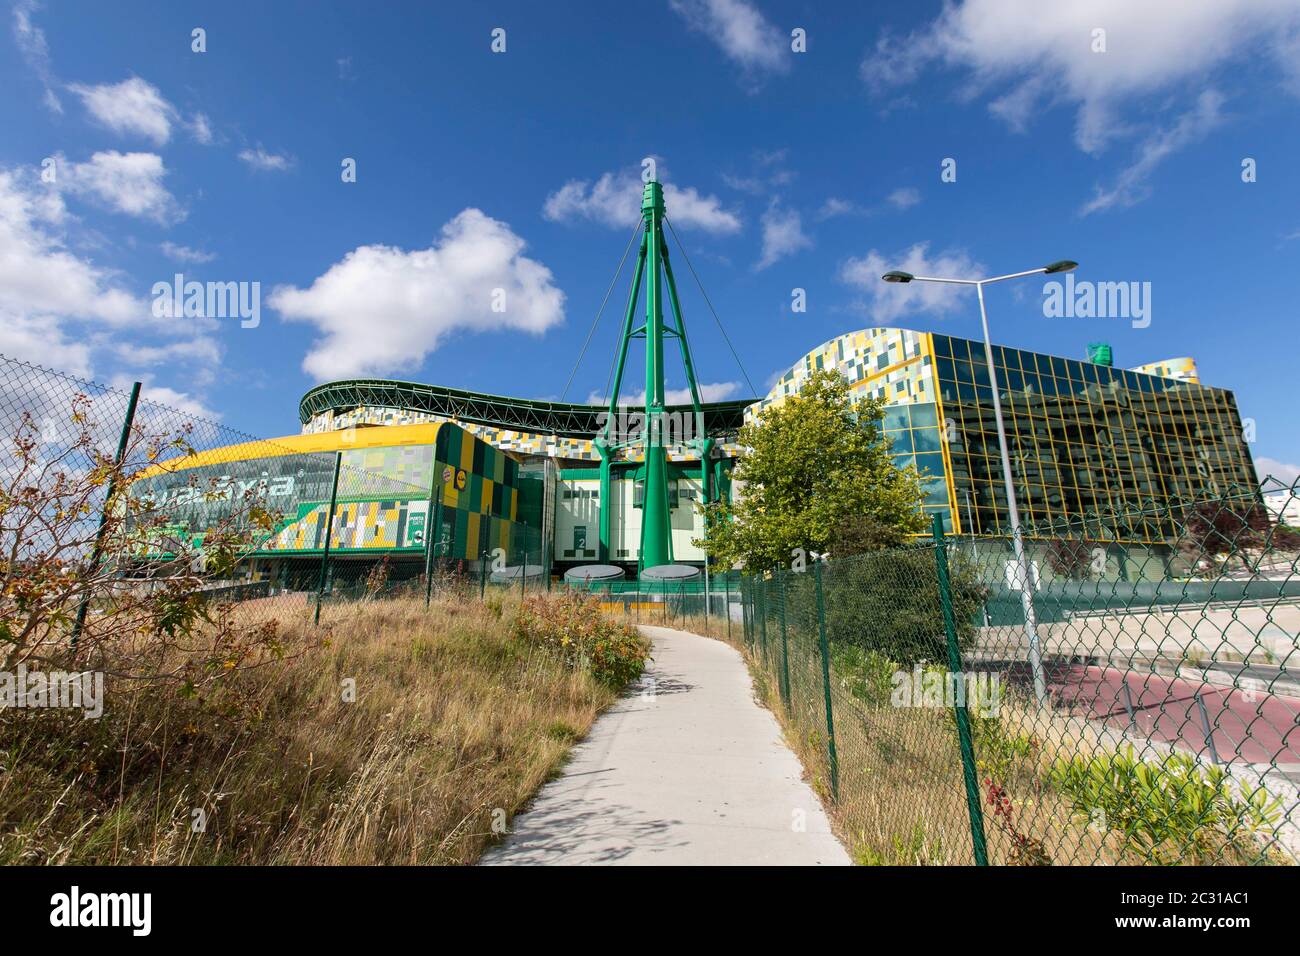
(118, 512)
(670, 603)
(1097, 694)
(1085, 700)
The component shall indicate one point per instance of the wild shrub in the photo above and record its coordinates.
(1167, 812)
(572, 626)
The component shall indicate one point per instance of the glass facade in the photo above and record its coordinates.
(915, 438)
(1084, 439)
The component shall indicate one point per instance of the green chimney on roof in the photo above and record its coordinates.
(1099, 354)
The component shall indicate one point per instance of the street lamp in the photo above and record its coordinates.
(1017, 538)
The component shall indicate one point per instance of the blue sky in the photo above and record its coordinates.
(518, 170)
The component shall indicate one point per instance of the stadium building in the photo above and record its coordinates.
(1085, 438)
(428, 475)
(490, 472)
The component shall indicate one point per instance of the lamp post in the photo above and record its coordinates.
(1013, 512)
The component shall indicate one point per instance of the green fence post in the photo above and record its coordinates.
(785, 650)
(744, 609)
(329, 533)
(98, 550)
(762, 619)
(826, 686)
(432, 531)
(973, 807)
(749, 608)
(706, 593)
(751, 602)
(523, 569)
(482, 575)
(727, 607)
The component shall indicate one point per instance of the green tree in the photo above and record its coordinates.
(816, 464)
(887, 603)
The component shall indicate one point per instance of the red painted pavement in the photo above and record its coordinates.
(1263, 730)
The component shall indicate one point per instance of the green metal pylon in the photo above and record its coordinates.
(652, 268)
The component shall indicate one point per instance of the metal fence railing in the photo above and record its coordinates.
(1104, 702)
(108, 497)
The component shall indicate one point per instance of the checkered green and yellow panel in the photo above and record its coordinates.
(504, 439)
(893, 365)
(387, 525)
(385, 491)
(390, 526)
(406, 464)
(1183, 369)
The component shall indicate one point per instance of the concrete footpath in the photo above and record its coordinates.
(686, 768)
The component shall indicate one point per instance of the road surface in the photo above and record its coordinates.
(1254, 727)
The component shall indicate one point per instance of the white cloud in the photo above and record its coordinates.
(768, 173)
(42, 341)
(155, 421)
(201, 129)
(742, 33)
(904, 197)
(1131, 186)
(709, 392)
(35, 50)
(783, 235)
(203, 349)
(130, 107)
(383, 309)
(130, 183)
(835, 207)
(1039, 54)
(260, 159)
(887, 302)
(186, 254)
(60, 311)
(1282, 471)
(615, 200)
(39, 279)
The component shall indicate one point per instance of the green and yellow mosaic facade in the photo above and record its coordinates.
(395, 485)
(1085, 439)
(524, 443)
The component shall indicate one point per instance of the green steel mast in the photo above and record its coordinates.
(652, 267)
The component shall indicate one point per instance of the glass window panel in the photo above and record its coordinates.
(924, 415)
(929, 464)
(901, 441)
(895, 417)
(925, 439)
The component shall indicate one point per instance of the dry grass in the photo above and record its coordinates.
(452, 720)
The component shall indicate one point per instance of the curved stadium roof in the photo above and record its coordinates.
(568, 419)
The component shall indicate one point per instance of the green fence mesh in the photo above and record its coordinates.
(1098, 701)
(1144, 711)
(106, 494)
